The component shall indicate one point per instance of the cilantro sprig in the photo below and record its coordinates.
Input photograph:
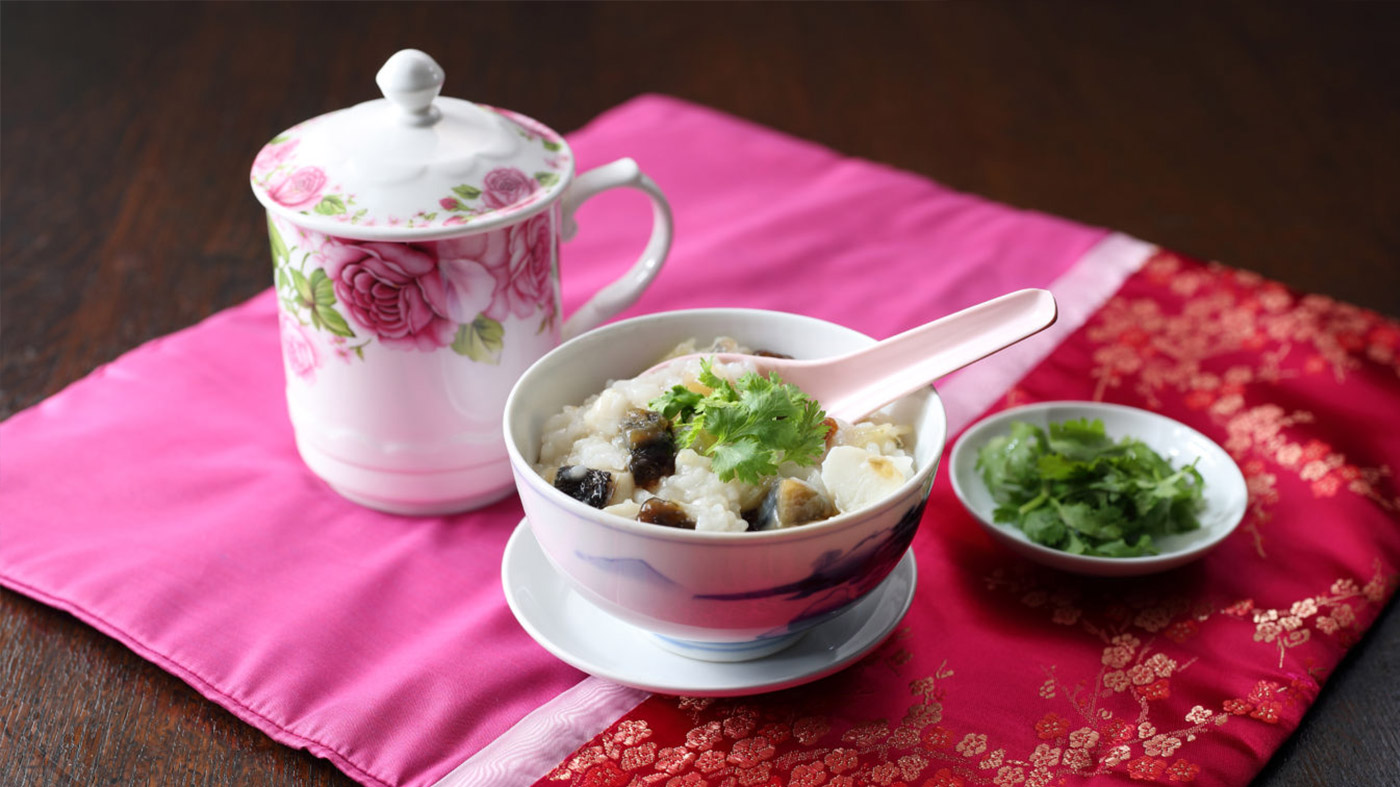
(1077, 490)
(747, 427)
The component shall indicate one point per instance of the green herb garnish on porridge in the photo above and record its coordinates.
(1077, 490)
(747, 427)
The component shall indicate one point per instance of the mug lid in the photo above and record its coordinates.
(412, 165)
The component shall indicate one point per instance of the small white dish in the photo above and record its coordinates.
(581, 634)
(1226, 496)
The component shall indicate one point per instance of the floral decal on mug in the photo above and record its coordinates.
(502, 188)
(276, 171)
(309, 189)
(298, 349)
(458, 293)
(392, 290)
(300, 188)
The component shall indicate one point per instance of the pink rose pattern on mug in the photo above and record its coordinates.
(299, 349)
(339, 295)
(310, 189)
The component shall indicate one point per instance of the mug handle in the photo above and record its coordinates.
(626, 289)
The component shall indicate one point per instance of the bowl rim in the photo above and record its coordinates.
(525, 470)
(987, 427)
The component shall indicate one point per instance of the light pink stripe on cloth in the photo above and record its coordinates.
(162, 500)
(531, 749)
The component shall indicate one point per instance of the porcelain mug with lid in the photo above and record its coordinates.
(415, 241)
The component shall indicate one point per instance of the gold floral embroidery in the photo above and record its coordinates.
(877, 752)
(1110, 723)
(1156, 352)
(1108, 714)
(1332, 613)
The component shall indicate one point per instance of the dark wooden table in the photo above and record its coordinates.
(1262, 135)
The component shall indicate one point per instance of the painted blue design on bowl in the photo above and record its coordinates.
(728, 651)
(717, 647)
(629, 567)
(836, 580)
(864, 562)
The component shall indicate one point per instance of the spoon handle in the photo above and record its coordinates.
(876, 376)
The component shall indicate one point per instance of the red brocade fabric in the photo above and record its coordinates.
(1005, 673)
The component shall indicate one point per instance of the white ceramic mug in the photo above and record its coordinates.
(414, 289)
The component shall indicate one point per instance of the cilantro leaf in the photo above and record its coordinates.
(1071, 487)
(747, 427)
(678, 403)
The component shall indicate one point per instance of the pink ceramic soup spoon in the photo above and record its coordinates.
(852, 386)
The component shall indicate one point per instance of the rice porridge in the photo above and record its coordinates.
(712, 446)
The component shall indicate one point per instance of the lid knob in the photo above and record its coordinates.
(411, 80)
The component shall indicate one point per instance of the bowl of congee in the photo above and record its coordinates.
(724, 512)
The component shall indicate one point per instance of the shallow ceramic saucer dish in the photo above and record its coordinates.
(584, 636)
(1226, 496)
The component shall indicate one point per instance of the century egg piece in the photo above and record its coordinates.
(656, 511)
(791, 502)
(584, 484)
(651, 447)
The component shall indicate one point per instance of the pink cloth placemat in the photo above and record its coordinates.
(161, 499)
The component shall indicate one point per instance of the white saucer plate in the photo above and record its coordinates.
(1225, 493)
(581, 634)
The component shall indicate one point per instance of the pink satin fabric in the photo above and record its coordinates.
(161, 499)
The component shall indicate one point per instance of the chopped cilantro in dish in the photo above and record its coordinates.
(748, 427)
(1077, 490)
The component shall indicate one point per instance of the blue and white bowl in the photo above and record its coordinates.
(711, 596)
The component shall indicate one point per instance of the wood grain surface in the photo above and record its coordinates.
(1261, 135)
